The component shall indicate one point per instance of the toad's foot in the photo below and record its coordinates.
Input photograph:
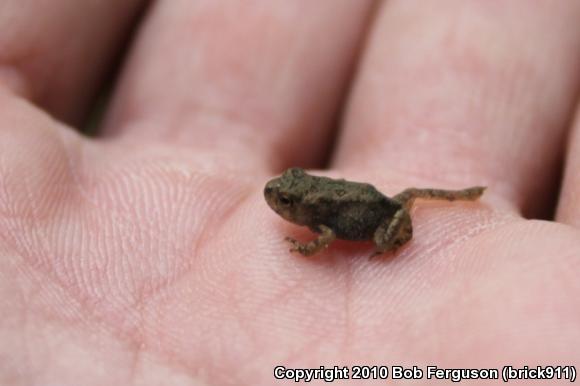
(326, 237)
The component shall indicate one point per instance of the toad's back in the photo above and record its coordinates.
(352, 210)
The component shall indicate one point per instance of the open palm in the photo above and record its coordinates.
(148, 255)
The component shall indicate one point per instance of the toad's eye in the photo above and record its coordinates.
(284, 200)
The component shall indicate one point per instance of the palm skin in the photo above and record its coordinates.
(152, 268)
(140, 261)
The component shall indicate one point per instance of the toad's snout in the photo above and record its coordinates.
(271, 188)
(270, 193)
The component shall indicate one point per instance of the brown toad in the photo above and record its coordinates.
(349, 210)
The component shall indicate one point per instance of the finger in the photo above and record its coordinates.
(56, 52)
(467, 93)
(569, 204)
(242, 84)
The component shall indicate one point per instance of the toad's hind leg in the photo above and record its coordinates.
(326, 237)
(393, 233)
(407, 196)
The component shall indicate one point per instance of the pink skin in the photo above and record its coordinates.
(148, 256)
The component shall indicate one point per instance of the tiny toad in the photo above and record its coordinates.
(349, 210)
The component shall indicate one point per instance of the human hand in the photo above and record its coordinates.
(148, 256)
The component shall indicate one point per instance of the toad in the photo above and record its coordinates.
(337, 208)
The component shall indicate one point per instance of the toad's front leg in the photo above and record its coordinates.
(326, 237)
